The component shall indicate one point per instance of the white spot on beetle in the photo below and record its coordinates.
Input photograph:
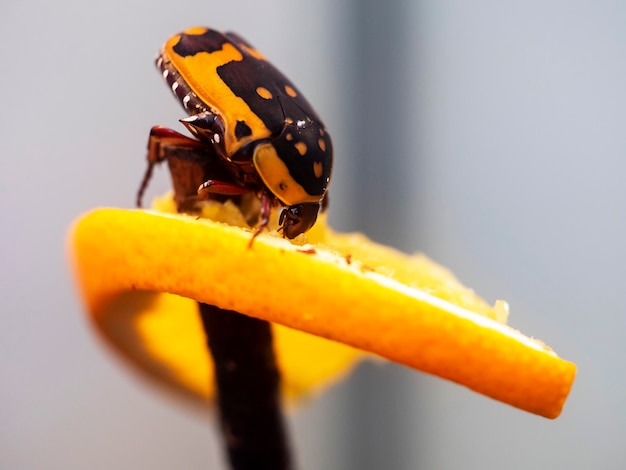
(186, 100)
(165, 73)
(174, 86)
(216, 138)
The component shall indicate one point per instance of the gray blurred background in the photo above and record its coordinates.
(488, 134)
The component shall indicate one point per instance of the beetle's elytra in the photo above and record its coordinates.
(253, 129)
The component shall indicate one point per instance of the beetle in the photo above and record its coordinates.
(253, 131)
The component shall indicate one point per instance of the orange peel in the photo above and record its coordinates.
(330, 299)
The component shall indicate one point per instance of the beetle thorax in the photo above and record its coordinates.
(296, 165)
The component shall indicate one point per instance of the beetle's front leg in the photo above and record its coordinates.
(267, 202)
(167, 144)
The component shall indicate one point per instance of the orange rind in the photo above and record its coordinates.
(330, 298)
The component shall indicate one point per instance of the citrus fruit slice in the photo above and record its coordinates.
(331, 297)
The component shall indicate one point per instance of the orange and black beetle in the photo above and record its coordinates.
(251, 119)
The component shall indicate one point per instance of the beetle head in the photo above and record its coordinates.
(297, 219)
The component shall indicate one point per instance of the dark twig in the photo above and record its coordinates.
(246, 375)
(248, 393)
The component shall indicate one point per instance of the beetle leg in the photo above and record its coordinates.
(164, 143)
(221, 187)
(144, 183)
(267, 201)
(162, 138)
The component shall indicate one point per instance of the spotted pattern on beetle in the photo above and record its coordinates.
(227, 86)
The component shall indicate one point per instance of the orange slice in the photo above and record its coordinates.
(330, 298)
